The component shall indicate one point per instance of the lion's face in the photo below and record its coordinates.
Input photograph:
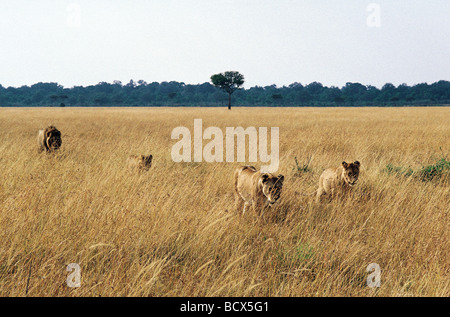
(146, 161)
(54, 142)
(272, 186)
(351, 172)
(53, 138)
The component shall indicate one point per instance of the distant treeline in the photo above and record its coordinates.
(141, 93)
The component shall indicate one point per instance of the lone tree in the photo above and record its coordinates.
(229, 82)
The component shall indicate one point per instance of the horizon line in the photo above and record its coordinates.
(122, 84)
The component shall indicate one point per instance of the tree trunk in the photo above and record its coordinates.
(229, 101)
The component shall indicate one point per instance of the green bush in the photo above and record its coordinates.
(303, 168)
(426, 173)
(430, 172)
(399, 170)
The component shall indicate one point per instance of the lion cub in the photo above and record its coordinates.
(334, 179)
(140, 162)
(255, 188)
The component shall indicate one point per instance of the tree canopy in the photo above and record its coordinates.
(229, 82)
(141, 93)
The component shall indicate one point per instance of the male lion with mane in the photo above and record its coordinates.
(255, 188)
(140, 162)
(49, 139)
(338, 179)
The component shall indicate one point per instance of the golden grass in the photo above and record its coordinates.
(173, 231)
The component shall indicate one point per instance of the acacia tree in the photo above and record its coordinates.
(229, 82)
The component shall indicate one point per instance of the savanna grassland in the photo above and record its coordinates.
(173, 231)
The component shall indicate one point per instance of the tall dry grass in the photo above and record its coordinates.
(173, 231)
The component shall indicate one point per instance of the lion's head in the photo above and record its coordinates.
(272, 186)
(350, 173)
(52, 138)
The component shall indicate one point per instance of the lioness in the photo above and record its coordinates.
(140, 162)
(49, 139)
(255, 188)
(333, 179)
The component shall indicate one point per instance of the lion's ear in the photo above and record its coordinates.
(264, 177)
(356, 163)
(344, 164)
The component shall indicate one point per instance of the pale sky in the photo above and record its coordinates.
(83, 42)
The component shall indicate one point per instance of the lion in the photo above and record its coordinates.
(338, 179)
(260, 190)
(140, 162)
(49, 139)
